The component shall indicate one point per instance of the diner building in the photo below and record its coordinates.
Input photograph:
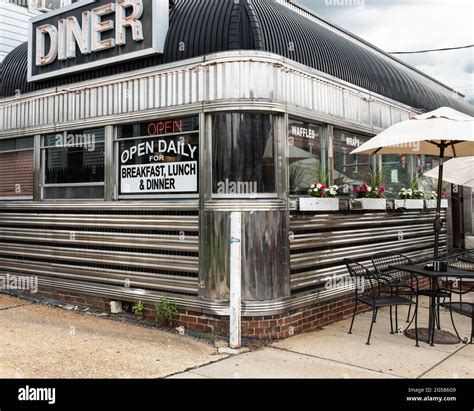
(131, 130)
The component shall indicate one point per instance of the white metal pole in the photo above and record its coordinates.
(235, 279)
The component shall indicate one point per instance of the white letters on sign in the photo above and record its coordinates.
(91, 34)
(74, 33)
(99, 26)
(43, 57)
(131, 21)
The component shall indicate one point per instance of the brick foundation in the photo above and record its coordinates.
(261, 327)
(276, 327)
(98, 303)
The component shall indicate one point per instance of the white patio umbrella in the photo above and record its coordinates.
(443, 132)
(459, 171)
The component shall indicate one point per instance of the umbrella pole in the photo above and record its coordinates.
(438, 223)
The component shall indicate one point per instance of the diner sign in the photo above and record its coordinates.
(92, 33)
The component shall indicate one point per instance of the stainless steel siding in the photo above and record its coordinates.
(221, 78)
(264, 268)
(320, 242)
(150, 247)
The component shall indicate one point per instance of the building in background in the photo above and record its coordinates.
(14, 16)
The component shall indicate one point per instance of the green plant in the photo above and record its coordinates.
(296, 171)
(413, 192)
(138, 310)
(374, 189)
(321, 176)
(165, 311)
(321, 187)
(376, 179)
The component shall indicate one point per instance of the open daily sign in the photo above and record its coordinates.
(180, 177)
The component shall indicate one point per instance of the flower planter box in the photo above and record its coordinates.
(410, 204)
(319, 204)
(432, 203)
(373, 203)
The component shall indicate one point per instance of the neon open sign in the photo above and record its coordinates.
(92, 33)
(165, 127)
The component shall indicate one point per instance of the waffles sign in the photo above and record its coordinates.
(93, 33)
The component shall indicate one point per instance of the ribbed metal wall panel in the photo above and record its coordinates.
(319, 243)
(224, 77)
(104, 244)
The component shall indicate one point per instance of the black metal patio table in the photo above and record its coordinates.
(430, 334)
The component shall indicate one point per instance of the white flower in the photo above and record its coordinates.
(369, 189)
(312, 186)
(319, 186)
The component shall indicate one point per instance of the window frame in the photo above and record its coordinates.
(44, 185)
(323, 141)
(374, 162)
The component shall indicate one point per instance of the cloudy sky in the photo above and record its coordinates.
(410, 25)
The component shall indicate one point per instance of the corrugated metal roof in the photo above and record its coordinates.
(209, 26)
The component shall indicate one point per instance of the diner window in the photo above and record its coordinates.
(398, 172)
(16, 168)
(350, 170)
(306, 154)
(73, 164)
(243, 154)
(424, 164)
(159, 157)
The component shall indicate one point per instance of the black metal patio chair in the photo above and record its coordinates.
(374, 290)
(403, 283)
(462, 260)
(459, 258)
(383, 263)
(463, 308)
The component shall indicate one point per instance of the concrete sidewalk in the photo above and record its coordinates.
(40, 341)
(333, 353)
